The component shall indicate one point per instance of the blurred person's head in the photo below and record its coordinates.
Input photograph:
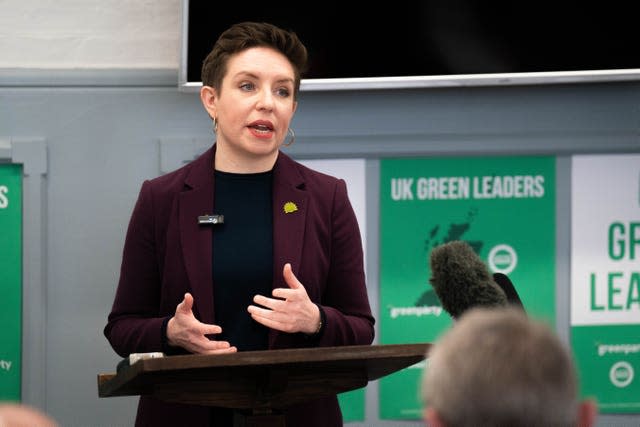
(20, 415)
(497, 367)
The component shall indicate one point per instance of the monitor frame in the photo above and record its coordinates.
(424, 81)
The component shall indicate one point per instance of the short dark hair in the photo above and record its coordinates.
(245, 35)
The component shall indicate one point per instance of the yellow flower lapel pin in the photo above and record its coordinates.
(290, 207)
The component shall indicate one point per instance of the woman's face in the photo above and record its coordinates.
(253, 109)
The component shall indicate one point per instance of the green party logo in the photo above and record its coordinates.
(503, 259)
(621, 374)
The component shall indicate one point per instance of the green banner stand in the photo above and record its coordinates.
(11, 281)
(352, 405)
(504, 207)
(605, 279)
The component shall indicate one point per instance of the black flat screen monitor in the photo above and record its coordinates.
(434, 43)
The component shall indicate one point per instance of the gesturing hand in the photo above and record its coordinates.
(185, 331)
(290, 310)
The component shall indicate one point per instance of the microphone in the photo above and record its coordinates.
(461, 279)
(507, 286)
(210, 219)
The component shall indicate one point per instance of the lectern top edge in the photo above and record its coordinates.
(283, 356)
(308, 369)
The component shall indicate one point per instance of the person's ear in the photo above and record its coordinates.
(209, 98)
(587, 413)
(431, 418)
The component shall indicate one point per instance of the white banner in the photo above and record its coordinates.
(605, 239)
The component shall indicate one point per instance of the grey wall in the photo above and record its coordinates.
(102, 133)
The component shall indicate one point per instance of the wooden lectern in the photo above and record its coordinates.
(260, 385)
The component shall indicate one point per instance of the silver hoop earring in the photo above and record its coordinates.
(292, 138)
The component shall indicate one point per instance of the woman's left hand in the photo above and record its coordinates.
(290, 310)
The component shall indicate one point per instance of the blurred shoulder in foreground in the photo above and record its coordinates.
(21, 415)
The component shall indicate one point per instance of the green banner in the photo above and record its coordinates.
(11, 283)
(504, 207)
(352, 405)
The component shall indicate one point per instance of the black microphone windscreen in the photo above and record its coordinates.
(461, 279)
(509, 289)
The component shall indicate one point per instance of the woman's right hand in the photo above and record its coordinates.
(184, 330)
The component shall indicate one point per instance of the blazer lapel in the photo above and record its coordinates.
(289, 216)
(196, 239)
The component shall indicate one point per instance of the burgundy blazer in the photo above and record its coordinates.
(167, 253)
